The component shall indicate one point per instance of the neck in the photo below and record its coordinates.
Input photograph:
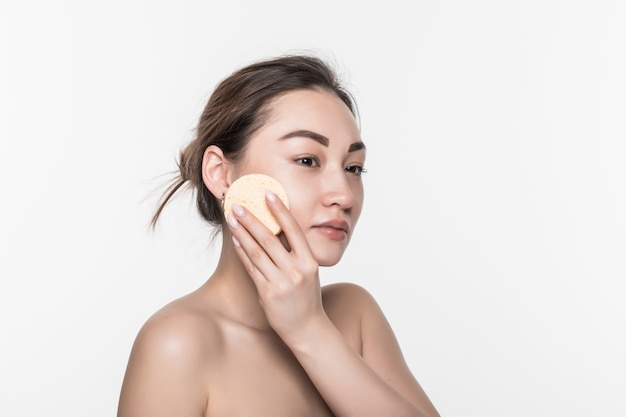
(233, 292)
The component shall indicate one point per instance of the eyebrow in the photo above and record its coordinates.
(320, 139)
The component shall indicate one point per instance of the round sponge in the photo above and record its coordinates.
(249, 191)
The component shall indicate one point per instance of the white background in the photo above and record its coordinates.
(494, 230)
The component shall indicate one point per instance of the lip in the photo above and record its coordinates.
(335, 229)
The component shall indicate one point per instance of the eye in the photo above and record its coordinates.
(356, 170)
(308, 161)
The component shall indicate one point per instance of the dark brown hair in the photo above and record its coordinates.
(237, 109)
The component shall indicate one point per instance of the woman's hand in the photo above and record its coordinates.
(287, 280)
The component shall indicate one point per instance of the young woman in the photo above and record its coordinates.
(261, 337)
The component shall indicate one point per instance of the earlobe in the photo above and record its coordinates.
(215, 168)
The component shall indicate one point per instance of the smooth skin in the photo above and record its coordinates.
(261, 337)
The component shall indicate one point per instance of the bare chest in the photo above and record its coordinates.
(259, 376)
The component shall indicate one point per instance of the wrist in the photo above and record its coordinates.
(309, 337)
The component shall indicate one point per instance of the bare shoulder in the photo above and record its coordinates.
(180, 331)
(347, 306)
(351, 302)
(347, 298)
(170, 362)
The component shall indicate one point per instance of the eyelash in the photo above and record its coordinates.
(312, 159)
(357, 170)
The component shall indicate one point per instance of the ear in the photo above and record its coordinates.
(215, 170)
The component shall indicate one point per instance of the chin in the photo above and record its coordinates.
(327, 258)
(326, 264)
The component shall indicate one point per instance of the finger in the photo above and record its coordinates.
(251, 238)
(258, 278)
(263, 237)
(291, 229)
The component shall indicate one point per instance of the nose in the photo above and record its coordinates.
(338, 190)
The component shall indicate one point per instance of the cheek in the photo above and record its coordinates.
(300, 203)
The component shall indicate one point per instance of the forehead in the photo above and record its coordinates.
(317, 110)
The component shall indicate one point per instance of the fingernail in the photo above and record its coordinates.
(232, 221)
(236, 242)
(237, 209)
(271, 197)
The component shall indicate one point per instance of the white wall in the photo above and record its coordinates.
(503, 270)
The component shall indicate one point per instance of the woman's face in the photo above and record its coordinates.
(311, 144)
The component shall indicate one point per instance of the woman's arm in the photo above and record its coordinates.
(377, 384)
(379, 346)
